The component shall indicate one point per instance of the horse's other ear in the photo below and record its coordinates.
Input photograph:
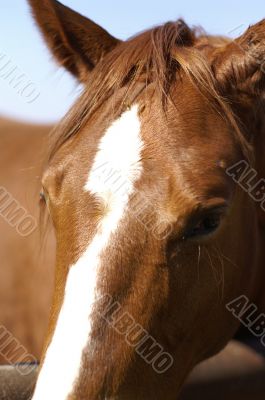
(76, 42)
(239, 66)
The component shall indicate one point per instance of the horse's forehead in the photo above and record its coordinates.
(106, 151)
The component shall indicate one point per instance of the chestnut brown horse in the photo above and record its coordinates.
(26, 272)
(153, 237)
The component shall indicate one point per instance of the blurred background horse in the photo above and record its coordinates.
(26, 266)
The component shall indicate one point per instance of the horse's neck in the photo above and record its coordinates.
(259, 145)
(258, 133)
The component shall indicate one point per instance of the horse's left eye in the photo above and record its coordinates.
(207, 225)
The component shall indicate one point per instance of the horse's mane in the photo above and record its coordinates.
(158, 55)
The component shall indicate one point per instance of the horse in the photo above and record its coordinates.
(26, 273)
(154, 235)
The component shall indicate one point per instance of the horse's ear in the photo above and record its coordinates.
(239, 66)
(76, 42)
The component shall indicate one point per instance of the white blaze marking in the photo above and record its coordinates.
(119, 150)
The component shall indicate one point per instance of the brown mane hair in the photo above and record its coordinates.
(158, 55)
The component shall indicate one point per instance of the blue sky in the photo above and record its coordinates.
(21, 43)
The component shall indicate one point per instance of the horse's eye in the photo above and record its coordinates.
(205, 226)
(42, 197)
